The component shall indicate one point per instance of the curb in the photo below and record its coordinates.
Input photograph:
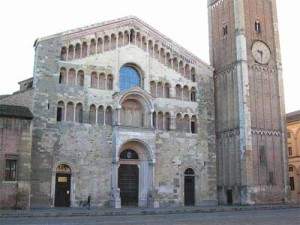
(130, 212)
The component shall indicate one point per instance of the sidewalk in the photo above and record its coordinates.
(73, 212)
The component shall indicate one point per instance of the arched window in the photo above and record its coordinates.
(113, 42)
(144, 43)
(175, 64)
(194, 124)
(120, 39)
(186, 123)
(167, 90)
(150, 47)
(129, 154)
(60, 114)
(153, 88)
(108, 116)
(129, 78)
(181, 68)
(193, 94)
(77, 51)
(156, 51)
(80, 78)
(187, 71)
(92, 114)
(106, 43)
(138, 39)
(132, 36)
(93, 47)
(160, 90)
(94, 80)
(100, 45)
(79, 113)
(178, 122)
(186, 93)
(178, 90)
(70, 111)
(160, 121)
(169, 60)
(126, 38)
(154, 119)
(63, 75)
(110, 82)
(100, 116)
(102, 81)
(63, 53)
(162, 56)
(257, 26)
(71, 77)
(71, 52)
(84, 49)
(193, 74)
(167, 121)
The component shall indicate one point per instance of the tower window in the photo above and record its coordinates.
(292, 183)
(225, 30)
(290, 151)
(262, 155)
(257, 26)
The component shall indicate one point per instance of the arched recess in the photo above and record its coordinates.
(136, 109)
(137, 166)
(189, 187)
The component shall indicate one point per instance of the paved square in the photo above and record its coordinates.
(262, 217)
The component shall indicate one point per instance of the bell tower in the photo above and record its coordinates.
(250, 111)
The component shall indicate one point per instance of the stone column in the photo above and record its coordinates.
(115, 191)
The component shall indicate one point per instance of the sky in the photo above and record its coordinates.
(185, 22)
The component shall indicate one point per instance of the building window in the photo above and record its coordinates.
(225, 30)
(257, 26)
(290, 149)
(289, 134)
(60, 111)
(11, 170)
(292, 183)
(129, 78)
(271, 178)
(291, 169)
(262, 155)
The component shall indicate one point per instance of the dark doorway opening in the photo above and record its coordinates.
(128, 182)
(229, 197)
(62, 190)
(189, 187)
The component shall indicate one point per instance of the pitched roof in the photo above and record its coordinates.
(293, 116)
(15, 111)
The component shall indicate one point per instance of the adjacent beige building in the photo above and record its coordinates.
(293, 127)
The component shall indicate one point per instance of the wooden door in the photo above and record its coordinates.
(62, 190)
(129, 184)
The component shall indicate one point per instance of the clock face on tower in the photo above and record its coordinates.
(261, 52)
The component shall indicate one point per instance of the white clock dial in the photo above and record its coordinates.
(261, 52)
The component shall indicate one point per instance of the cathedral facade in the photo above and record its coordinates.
(120, 115)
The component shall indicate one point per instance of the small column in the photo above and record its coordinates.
(115, 195)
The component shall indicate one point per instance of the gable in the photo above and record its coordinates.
(107, 36)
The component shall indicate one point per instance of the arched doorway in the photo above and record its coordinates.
(128, 179)
(62, 186)
(189, 187)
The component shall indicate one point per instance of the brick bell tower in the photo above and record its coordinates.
(250, 111)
